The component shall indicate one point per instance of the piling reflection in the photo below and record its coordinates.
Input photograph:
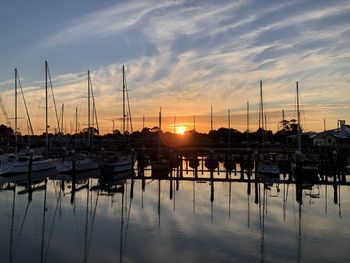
(144, 216)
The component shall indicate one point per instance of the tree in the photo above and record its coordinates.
(5, 131)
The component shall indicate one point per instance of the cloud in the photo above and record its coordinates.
(205, 53)
(112, 20)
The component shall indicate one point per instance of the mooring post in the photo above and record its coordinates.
(211, 185)
(171, 188)
(249, 186)
(218, 163)
(202, 164)
(132, 163)
(73, 177)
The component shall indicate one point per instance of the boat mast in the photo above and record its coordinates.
(46, 113)
(248, 123)
(76, 127)
(124, 115)
(62, 118)
(129, 111)
(16, 109)
(229, 130)
(194, 123)
(211, 117)
(160, 130)
(262, 114)
(298, 115)
(89, 131)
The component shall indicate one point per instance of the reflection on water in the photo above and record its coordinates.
(170, 220)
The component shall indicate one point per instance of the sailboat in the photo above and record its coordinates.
(229, 163)
(302, 166)
(267, 170)
(80, 162)
(211, 162)
(22, 163)
(160, 166)
(119, 162)
(5, 166)
(246, 162)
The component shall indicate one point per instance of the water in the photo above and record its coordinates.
(196, 223)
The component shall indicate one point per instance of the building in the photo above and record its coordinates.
(334, 138)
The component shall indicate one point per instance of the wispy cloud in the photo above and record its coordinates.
(111, 20)
(213, 53)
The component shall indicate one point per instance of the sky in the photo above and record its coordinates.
(182, 56)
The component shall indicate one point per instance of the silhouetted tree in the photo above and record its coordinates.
(5, 131)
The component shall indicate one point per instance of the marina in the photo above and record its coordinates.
(174, 131)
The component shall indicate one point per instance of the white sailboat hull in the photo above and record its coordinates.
(80, 166)
(17, 168)
(122, 163)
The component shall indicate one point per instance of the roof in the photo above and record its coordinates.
(337, 133)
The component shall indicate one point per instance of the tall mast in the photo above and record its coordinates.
(298, 115)
(62, 118)
(160, 118)
(76, 127)
(16, 110)
(129, 119)
(89, 131)
(46, 113)
(124, 116)
(211, 117)
(194, 122)
(160, 130)
(262, 113)
(248, 123)
(229, 129)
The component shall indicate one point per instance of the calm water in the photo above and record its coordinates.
(188, 222)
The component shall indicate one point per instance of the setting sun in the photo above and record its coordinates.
(181, 130)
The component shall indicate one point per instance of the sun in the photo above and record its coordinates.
(181, 130)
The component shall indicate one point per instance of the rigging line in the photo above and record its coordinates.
(25, 105)
(92, 222)
(127, 97)
(53, 98)
(43, 227)
(286, 200)
(94, 106)
(295, 220)
(12, 226)
(21, 229)
(86, 224)
(37, 119)
(54, 187)
(121, 231)
(52, 225)
(127, 226)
